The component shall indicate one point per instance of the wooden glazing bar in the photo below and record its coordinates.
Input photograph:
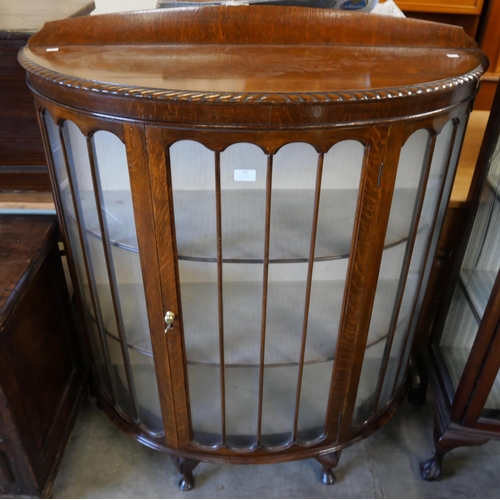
(409, 331)
(87, 259)
(488, 334)
(265, 279)
(312, 248)
(404, 274)
(368, 233)
(108, 256)
(218, 212)
(151, 158)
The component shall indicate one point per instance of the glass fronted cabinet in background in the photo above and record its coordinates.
(463, 357)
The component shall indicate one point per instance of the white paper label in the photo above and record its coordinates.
(245, 175)
(453, 56)
(52, 49)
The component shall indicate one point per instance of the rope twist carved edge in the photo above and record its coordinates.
(247, 97)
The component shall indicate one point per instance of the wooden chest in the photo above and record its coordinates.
(41, 371)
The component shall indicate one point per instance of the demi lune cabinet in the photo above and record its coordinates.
(463, 355)
(251, 201)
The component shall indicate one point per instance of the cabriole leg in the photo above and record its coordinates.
(185, 466)
(445, 440)
(329, 462)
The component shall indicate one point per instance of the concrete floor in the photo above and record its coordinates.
(102, 462)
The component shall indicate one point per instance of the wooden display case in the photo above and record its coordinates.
(252, 202)
(463, 357)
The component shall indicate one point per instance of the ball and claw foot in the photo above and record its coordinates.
(186, 482)
(430, 470)
(327, 476)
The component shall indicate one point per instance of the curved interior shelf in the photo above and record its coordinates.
(119, 216)
(134, 319)
(291, 222)
(241, 335)
(285, 310)
(243, 230)
(241, 408)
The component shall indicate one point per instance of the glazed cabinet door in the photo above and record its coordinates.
(288, 262)
(261, 244)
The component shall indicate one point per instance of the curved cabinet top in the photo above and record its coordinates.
(205, 65)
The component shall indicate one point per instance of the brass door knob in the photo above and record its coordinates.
(169, 319)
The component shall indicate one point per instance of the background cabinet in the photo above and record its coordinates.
(22, 160)
(251, 241)
(463, 356)
(42, 374)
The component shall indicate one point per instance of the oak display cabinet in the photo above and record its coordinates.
(251, 198)
(463, 357)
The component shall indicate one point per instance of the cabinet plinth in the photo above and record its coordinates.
(252, 200)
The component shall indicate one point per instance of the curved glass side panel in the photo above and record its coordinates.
(97, 208)
(441, 211)
(419, 253)
(409, 184)
(124, 269)
(97, 341)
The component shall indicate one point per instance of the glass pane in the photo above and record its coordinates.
(76, 248)
(418, 258)
(205, 403)
(192, 171)
(482, 259)
(146, 389)
(285, 318)
(118, 216)
(492, 407)
(405, 198)
(458, 335)
(435, 239)
(243, 174)
(340, 180)
(79, 165)
(292, 210)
